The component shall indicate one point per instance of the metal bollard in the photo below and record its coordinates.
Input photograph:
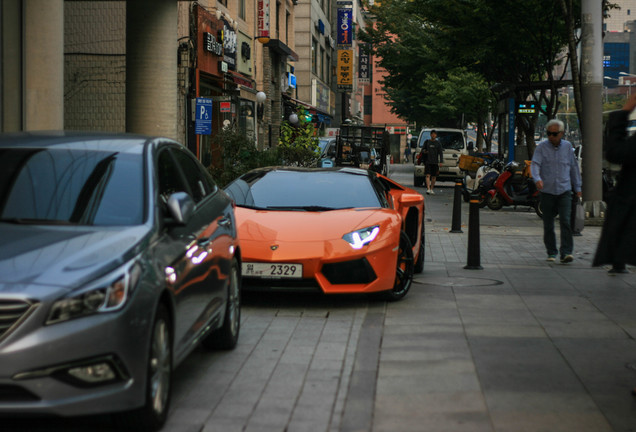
(457, 208)
(473, 260)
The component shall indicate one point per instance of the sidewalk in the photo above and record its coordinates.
(522, 345)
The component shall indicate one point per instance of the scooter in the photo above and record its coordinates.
(514, 187)
(484, 181)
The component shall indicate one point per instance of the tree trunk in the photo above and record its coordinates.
(566, 5)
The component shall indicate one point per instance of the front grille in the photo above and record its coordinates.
(349, 272)
(258, 284)
(12, 313)
(13, 393)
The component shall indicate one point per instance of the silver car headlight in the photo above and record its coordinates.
(357, 239)
(107, 295)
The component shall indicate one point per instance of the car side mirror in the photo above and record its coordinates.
(180, 207)
(411, 198)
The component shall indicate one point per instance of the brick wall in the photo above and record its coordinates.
(95, 66)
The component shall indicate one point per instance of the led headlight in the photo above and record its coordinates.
(106, 296)
(361, 237)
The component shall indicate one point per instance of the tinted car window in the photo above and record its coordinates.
(297, 189)
(71, 186)
(170, 179)
(449, 140)
(200, 182)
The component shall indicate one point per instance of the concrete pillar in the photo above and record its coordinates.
(151, 67)
(43, 64)
(11, 69)
(591, 94)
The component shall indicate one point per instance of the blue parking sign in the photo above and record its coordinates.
(203, 116)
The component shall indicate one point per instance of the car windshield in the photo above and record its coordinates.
(70, 186)
(304, 190)
(450, 140)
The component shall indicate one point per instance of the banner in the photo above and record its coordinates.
(262, 21)
(364, 71)
(344, 27)
(345, 69)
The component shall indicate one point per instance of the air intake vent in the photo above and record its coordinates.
(12, 313)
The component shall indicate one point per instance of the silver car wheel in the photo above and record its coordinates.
(160, 366)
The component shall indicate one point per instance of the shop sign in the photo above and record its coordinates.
(225, 107)
(203, 116)
(345, 69)
(364, 71)
(229, 45)
(210, 44)
(262, 21)
(344, 27)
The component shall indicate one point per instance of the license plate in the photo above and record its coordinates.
(273, 270)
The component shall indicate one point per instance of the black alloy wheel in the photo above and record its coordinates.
(404, 270)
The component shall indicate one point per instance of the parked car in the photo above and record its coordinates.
(118, 255)
(454, 143)
(337, 230)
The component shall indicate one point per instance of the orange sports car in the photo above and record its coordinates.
(338, 230)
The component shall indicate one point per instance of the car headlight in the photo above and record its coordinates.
(362, 237)
(107, 295)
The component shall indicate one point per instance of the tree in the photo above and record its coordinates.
(507, 42)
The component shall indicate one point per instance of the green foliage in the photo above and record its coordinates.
(440, 52)
(238, 155)
(297, 145)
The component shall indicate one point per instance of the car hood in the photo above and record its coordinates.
(307, 226)
(62, 256)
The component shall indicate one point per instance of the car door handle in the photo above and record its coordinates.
(225, 222)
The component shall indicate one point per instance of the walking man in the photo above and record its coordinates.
(434, 157)
(556, 174)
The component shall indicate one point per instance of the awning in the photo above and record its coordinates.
(306, 105)
(278, 46)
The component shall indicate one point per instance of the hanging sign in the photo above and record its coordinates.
(262, 21)
(344, 27)
(345, 69)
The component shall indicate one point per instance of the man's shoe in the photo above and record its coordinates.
(432, 193)
(428, 191)
(614, 271)
(567, 259)
(551, 258)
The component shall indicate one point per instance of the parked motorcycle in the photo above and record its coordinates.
(484, 180)
(514, 187)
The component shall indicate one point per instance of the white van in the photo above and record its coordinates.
(454, 143)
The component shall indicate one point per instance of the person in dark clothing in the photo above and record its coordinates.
(434, 158)
(617, 245)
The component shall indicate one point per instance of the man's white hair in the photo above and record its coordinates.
(555, 122)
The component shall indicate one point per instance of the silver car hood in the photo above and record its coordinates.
(62, 256)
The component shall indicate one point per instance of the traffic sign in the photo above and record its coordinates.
(203, 116)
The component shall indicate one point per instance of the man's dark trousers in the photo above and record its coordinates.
(551, 205)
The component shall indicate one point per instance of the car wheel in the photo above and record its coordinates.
(419, 264)
(404, 270)
(226, 337)
(153, 414)
(494, 202)
(538, 209)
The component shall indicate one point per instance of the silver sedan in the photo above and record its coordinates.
(118, 255)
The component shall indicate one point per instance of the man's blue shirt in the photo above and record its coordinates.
(556, 167)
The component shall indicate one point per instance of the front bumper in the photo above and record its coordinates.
(328, 267)
(39, 364)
